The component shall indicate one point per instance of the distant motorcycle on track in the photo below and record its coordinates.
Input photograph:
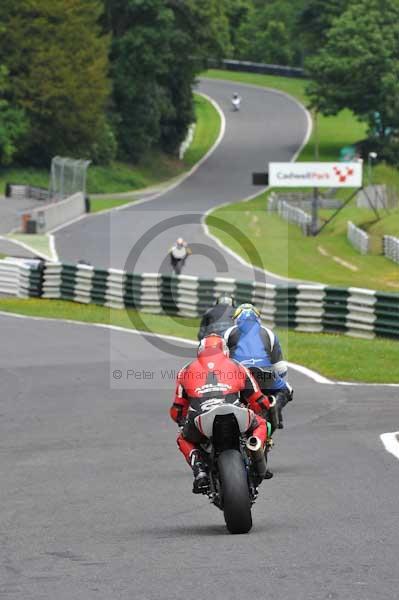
(178, 255)
(236, 102)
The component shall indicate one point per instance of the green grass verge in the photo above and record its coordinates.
(152, 169)
(38, 243)
(100, 204)
(113, 178)
(281, 247)
(351, 356)
(121, 177)
(23, 176)
(290, 85)
(207, 130)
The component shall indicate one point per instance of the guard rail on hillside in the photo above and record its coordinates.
(294, 215)
(358, 238)
(254, 67)
(26, 191)
(312, 308)
(301, 200)
(391, 247)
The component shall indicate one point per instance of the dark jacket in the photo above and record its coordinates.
(216, 320)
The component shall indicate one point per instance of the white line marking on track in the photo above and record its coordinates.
(53, 249)
(391, 443)
(161, 192)
(167, 189)
(345, 264)
(311, 374)
(25, 247)
(317, 378)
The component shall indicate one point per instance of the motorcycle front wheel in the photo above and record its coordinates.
(235, 492)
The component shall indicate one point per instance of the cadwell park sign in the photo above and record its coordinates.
(316, 174)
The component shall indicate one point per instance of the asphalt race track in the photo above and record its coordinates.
(95, 498)
(96, 501)
(270, 126)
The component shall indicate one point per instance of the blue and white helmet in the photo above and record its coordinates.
(246, 312)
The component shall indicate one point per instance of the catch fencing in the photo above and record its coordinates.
(358, 238)
(304, 307)
(391, 247)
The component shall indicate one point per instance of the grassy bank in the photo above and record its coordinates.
(352, 357)
(328, 258)
(100, 204)
(283, 249)
(121, 177)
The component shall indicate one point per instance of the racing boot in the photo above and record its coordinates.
(268, 474)
(201, 479)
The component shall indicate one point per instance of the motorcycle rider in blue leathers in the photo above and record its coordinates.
(254, 345)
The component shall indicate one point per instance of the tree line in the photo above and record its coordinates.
(107, 79)
(101, 78)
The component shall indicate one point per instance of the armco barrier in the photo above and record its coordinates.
(358, 238)
(391, 247)
(294, 215)
(304, 307)
(253, 67)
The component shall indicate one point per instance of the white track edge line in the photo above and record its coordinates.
(25, 247)
(100, 325)
(391, 443)
(317, 377)
(53, 248)
(167, 189)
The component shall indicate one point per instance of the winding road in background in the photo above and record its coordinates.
(96, 500)
(270, 126)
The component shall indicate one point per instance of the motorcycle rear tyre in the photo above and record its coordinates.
(235, 492)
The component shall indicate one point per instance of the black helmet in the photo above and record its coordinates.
(225, 299)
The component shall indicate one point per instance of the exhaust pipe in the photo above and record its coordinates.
(254, 445)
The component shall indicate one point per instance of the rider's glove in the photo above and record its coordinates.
(263, 403)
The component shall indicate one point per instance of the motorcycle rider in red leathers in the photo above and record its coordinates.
(213, 375)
